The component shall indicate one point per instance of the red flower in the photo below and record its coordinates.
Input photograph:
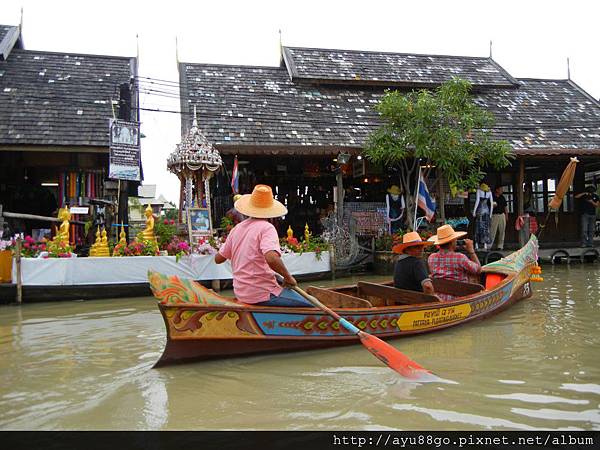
(166, 222)
(172, 222)
(26, 245)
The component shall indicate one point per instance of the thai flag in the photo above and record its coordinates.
(424, 200)
(235, 177)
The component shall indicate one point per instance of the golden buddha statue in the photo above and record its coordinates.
(290, 232)
(102, 249)
(148, 232)
(122, 239)
(307, 233)
(95, 245)
(122, 235)
(62, 235)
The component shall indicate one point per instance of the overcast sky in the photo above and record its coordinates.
(530, 39)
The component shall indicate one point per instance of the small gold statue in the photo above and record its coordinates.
(102, 249)
(122, 235)
(290, 232)
(95, 245)
(307, 233)
(148, 232)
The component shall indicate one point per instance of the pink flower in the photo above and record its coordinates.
(172, 222)
(26, 245)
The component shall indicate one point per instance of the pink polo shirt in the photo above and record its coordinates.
(246, 245)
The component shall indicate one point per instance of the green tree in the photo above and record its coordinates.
(444, 130)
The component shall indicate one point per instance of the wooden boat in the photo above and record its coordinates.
(201, 324)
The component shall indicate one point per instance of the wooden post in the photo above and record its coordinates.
(523, 233)
(18, 267)
(340, 197)
(441, 199)
(332, 261)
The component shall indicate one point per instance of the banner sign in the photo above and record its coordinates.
(124, 160)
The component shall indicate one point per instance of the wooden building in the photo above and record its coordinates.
(54, 126)
(288, 124)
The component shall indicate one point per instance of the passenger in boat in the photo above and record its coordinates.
(233, 213)
(410, 271)
(449, 264)
(253, 248)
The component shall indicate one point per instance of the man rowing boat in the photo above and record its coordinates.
(254, 251)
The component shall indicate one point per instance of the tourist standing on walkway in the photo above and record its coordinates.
(589, 202)
(254, 251)
(499, 217)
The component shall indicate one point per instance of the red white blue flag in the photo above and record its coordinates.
(235, 177)
(424, 200)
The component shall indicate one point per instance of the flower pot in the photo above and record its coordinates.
(6, 258)
(383, 262)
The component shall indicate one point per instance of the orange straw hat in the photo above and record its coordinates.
(260, 204)
(445, 234)
(410, 240)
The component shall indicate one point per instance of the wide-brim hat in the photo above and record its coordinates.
(395, 189)
(260, 204)
(411, 239)
(445, 234)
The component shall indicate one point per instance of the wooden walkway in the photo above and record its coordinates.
(550, 255)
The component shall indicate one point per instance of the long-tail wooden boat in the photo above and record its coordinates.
(201, 324)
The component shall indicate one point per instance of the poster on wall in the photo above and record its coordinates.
(199, 223)
(124, 157)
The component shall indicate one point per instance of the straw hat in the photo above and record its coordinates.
(445, 234)
(395, 190)
(260, 204)
(410, 240)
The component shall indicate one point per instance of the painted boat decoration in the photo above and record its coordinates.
(202, 324)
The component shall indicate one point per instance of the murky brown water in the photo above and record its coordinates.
(86, 365)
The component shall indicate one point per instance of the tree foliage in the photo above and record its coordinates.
(444, 129)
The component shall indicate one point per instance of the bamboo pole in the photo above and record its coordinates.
(35, 217)
(524, 233)
(18, 267)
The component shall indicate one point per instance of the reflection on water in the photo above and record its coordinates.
(87, 365)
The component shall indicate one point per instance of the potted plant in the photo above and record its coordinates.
(384, 259)
(6, 255)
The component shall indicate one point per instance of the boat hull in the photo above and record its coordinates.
(200, 332)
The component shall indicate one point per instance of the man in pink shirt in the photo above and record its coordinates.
(253, 249)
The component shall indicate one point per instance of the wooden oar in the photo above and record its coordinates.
(389, 355)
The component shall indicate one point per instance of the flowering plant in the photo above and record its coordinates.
(58, 249)
(165, 231)
(178, 248)
(8, 244)
(137, 248)
(31, 248)
(314, 244)
(209, 245)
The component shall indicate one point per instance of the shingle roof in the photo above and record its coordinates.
(59, 98)
(545, 116)
(363, 67)
(241, 108)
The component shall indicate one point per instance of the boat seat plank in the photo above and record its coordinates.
(394, 296)
(456, 288)
(334, 299)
